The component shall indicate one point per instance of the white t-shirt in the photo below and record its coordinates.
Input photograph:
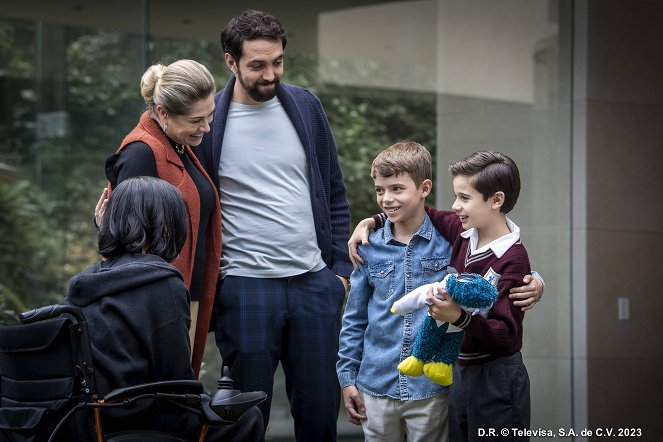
(268, 225)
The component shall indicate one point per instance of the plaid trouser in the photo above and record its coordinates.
(293, 320)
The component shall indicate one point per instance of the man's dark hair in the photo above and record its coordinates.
(491, 172)
(251, 25)
(144, 214)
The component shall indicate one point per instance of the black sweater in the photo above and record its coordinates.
(137, 310)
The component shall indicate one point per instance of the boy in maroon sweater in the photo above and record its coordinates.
(491, 385)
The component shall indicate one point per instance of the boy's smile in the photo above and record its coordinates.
(471, 208)
(401, 200)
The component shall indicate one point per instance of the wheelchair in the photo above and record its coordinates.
(47, 378)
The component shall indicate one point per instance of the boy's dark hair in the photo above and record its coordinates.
(407, 156)
(144, 213)
(251, 25)
(491, 172)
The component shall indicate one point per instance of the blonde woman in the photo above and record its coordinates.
(180, 104)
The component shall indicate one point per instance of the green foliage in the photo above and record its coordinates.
(30, 271)
(367, 121)
(17, 47)
(17, 90)
(208, 53)
(103, 71)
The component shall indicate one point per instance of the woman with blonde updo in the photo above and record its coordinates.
(180, 105)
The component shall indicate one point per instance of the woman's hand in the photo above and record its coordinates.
(101, 207)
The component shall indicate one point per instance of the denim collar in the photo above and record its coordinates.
(425, 230)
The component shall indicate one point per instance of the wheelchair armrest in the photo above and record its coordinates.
(50, 311)
(184, 386)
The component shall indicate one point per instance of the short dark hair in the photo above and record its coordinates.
(492, 172)
(144, 214)
(251, 25)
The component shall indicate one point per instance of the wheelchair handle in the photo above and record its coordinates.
(50, 311)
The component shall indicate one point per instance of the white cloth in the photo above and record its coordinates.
(417, 298)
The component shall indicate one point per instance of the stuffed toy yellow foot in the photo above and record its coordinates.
(439, 372)
(437, 347)
(411, 366)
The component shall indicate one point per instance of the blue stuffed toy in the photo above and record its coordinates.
(437, 345)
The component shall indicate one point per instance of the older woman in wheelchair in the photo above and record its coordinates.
(131, 379)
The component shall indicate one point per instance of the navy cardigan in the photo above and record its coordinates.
(331, 211)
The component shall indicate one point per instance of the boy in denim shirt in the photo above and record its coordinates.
(406, 253)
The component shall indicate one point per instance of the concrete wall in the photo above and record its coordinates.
(624, 150)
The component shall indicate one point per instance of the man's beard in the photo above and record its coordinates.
(253, 91)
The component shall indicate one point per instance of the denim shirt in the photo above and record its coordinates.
(373, 341)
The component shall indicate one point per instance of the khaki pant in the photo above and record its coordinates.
(391, 420)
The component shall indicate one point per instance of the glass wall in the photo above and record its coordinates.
(68, 93)
(455, 75)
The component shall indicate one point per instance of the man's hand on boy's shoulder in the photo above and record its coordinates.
(354, 405)
(527, 295)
